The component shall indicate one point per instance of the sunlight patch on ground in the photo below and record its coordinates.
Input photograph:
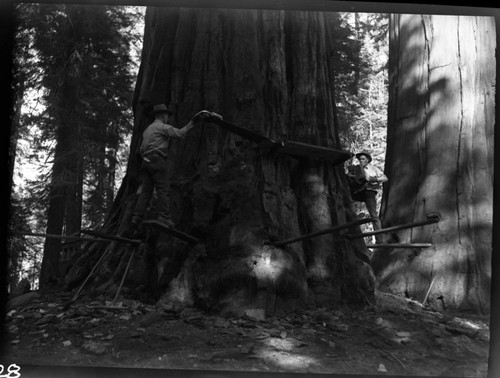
(469, 324)
(287, 360)
(282, 344)
(278, 351)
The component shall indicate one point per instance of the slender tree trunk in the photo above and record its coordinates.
(440, 158)
(109, 188)
(49, 272)
(63, 194)
(74, 191)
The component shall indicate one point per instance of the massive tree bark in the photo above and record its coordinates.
(268, 71)
(440, 158)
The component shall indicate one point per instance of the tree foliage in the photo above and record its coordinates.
(363, 102)
(88, 83)
(362, 86)
(74, 64)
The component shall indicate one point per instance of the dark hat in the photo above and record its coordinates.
(368, 156)
(161, 108)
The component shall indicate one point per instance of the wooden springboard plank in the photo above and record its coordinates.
(111, 237)
(400, 245)
(323, 232)
(296, 149)
(242, 131)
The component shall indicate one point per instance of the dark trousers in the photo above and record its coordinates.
(371, 206)
(154, 175)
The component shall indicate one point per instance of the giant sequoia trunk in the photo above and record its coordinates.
(440, 158)
(268, 71)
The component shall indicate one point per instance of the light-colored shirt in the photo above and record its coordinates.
(156, 137)
(371, 172)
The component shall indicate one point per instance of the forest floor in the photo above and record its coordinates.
(397, 337)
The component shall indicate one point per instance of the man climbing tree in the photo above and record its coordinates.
(154, 151)
(365, 183)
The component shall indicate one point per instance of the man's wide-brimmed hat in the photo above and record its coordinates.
(368, 156)
(161, 108)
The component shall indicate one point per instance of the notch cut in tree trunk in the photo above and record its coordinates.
(242, 131)
(292, 148)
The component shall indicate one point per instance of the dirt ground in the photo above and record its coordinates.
(398, 337)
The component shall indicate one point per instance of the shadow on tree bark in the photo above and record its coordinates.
(439, 159)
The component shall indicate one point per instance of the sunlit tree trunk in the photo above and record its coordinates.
(13, 255)
(440, 158)
(268, 71)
